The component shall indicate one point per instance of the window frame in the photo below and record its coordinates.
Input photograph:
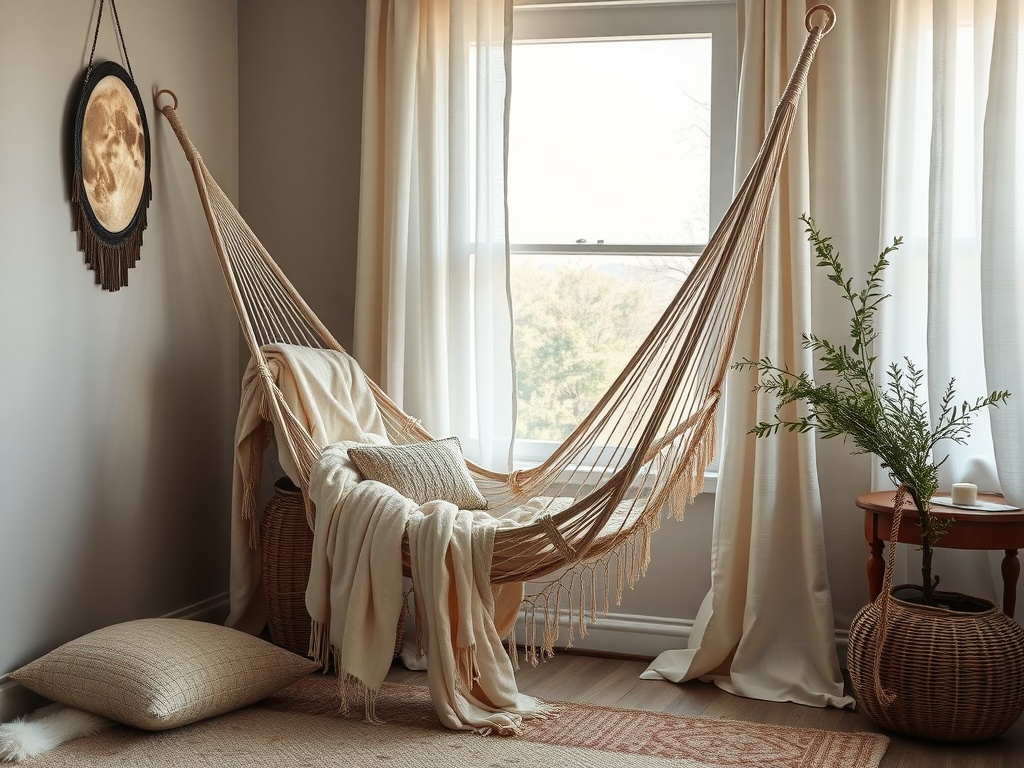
(587, 20)
(581, 20)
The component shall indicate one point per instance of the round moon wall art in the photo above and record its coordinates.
(111, 188)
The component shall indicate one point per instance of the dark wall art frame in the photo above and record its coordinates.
(111, 186)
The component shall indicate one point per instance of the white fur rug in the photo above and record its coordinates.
(45, 729)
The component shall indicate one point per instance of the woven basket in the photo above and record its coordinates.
(953, 672)
(287, 543)
(956, 675)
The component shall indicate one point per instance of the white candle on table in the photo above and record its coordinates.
(964, 494)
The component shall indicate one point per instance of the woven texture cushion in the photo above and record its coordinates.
(157, 674)
(423, 472)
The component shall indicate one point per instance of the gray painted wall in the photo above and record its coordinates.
(117, 408)
(300, 107)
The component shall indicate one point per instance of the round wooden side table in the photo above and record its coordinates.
(973, 529)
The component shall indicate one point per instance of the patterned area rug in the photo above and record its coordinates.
(301, 726)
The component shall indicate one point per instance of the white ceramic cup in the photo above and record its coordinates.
(964, 494)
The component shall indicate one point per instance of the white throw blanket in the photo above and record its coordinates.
(471, 679)
(354, 595)
(328, 393)
(355, 599)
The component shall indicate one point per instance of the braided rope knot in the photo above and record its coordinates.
(556, 538)
(515, 482)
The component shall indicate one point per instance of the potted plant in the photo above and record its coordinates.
(911, 627)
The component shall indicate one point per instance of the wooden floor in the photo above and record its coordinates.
(616, 682)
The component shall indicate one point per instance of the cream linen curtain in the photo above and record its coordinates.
(765, 630)
(432, 323)
(915, 129)
(954, 189)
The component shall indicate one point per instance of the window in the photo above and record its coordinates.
(621, 153)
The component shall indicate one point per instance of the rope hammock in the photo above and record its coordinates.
(643, 447)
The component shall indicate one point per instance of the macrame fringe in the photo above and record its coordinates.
(467, 674)
(319, 644)
(259, 440)
(690, 478)
(350, 688)
(110, 262)
(586, 587)
(513, 647)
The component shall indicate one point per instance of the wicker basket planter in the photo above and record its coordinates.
(286, 543)
(954, 675)
(287, 546)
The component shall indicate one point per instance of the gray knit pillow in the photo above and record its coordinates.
(429, 471)
(156, 674)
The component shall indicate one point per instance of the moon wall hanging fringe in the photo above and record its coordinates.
(110, 188)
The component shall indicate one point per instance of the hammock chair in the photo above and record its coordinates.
(643, 447)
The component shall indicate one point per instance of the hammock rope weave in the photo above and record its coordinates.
(643, 448)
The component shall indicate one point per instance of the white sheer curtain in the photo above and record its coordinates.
(954, 189)
(766, 629)
(432, 322)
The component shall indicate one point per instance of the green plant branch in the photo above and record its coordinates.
(890, 421)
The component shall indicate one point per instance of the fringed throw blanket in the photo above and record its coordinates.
(354, 594)
(328, 392)
(355, 599)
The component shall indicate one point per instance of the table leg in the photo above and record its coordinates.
(1011, 572)
(876, 568)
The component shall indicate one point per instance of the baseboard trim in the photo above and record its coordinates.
(16, 700)
(636, 636)
(622, 634)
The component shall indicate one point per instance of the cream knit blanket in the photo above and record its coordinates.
(355, 599)
(328, 393)
(471, 679)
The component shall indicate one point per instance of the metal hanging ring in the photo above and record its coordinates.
(170, 93)
(830, 18)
